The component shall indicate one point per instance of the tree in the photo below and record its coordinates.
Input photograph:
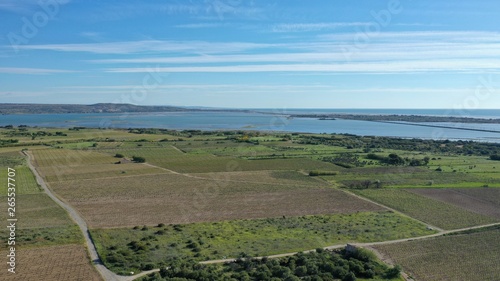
(394, 272)
(138, 159)
(395, 159)
(301, 271)
(349, 277)
(495, 157)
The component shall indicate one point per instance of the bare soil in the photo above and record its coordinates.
(483, 201)
(56, 263)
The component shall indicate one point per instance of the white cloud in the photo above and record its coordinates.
(32, 71)
(150, 46)
(414, 36)
(376, 52)
(392, 52)
(407, 66)
(25, 6)
(199, 25)
(307, 27)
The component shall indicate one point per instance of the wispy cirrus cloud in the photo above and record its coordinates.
(32, 71)
(199, 25)
(390, 52)
(407, 66)
(327, 43)
(25, 6)
(307, 27)
(378, 52)
(150, 46)
(412, 36)
(258, 88)
(214, 10)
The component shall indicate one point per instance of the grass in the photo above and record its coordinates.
(226, 181)
(170, 158)
(41, 222)
(484, 201)
(430, 211)
(472, 257)
(67, 157)
(291, 178)
(27, 238)
(37, 211)
(24, 180)
(10, 159)
(126, 249)
(413, 177)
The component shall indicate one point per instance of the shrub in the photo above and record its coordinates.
(394, 272)
(321, 173)
(495, 157)
(138, 159)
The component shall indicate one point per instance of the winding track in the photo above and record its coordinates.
(105, 273)
(111, 276)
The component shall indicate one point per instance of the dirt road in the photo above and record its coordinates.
(103, 271)
(111, 276)
(364, 244)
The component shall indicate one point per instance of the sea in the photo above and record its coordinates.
(277, 120)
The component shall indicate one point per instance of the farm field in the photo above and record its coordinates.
(170, 157)
(49, 246)
(135, 248)
(52, 263)
(70, 165)
(210, 195)
(413, 177)
(484, 201)
(487, 194)
(433, 212)
(174, 198)
(291, 178)
(472, 257)
(25, 181)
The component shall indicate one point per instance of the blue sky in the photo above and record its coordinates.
(252, 54)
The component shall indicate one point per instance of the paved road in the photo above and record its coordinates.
(106, 274)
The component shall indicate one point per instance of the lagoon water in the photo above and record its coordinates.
(266, 122)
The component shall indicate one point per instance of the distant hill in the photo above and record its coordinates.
(24, 108)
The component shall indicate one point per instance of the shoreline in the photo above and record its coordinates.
(400, 118)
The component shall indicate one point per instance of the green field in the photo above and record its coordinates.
(427, 210)
(25, 181)
(41, 222)
(169, 157)
(214, 195)
(129, 248)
